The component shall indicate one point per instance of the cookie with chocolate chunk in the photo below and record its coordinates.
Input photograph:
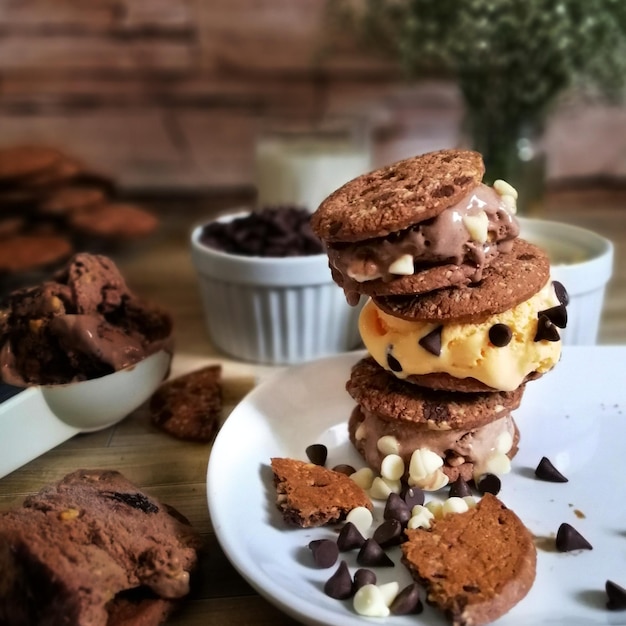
(415, 226)
(380, 392)
(189, 407)
(95, 551)
(310, 495)
(511, 279)
(476, 565)
(397, 196)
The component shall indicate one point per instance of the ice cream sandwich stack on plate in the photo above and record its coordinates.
(461, 314)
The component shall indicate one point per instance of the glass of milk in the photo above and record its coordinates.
(301, 162)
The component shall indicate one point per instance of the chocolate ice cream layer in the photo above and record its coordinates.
(470, 447)
(473, 231)
(83, 324)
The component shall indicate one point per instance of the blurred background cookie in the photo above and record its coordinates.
(51, 205)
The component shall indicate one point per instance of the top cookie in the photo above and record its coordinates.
(397, 196)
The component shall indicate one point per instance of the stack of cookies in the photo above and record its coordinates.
(52, 204)
(461, 315)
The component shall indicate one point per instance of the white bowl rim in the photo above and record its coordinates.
(581, 277)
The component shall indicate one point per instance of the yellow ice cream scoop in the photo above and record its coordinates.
(500, 351)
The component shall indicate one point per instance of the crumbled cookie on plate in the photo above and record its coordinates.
(475, 565)
(189, 407)
(310, 495)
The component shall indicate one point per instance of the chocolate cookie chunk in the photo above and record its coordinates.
(511, 279)
(391, 398)
(397, 196)
(189, 407)
(475, 565)
(310, 495)
(94, 550)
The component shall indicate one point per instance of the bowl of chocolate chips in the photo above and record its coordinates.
(267, 290)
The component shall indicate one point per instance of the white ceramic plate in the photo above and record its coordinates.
(575, 415)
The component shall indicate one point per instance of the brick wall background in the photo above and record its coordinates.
(169, 93)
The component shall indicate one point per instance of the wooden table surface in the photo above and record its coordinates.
(175, 471)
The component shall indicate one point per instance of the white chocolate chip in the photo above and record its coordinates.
(504, 442)
(389, 591)
(363, 477)
(403, 266)
(509, 203)
(388, 444)
(392, 467)
(470, 501)
(503, 188)
(454, 505)
(420, 517)
(361, 517)
(363, 278)
(432, 482)
(381, 488)
(477, 226)
(360, 432)
(370, 602)
(425, 472)
(498, 463)
(423, 463)
(436, 508)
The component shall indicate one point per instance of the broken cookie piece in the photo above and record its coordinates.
(475, 565)
(189, 407)
(310, 495)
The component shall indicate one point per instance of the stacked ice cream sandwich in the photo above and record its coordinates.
(462, 313)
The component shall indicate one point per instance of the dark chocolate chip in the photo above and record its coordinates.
(500, 335)
(372, 554)
(392, 362)
(568, 539)
(344, 468)
(389, 533)
(317, 453)
(363, 577)
(432, 341)
(616, 595)
(407, 602)
(459, 489)
(135, 500)
(413, 496)
(546, 330)
(349, 537)
(339, 585)
(396, 508)
(271, 231)
(557, 315)
(546, 471)
(325, 552)
(561, 292)
(489, 483)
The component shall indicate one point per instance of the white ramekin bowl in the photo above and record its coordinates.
(273, 310)
(583, 261)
